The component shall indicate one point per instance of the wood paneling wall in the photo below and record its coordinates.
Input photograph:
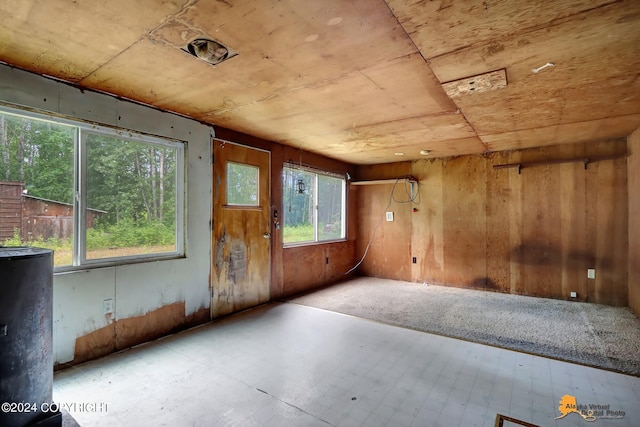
(391, 243)
(633, 170)
(532, 233)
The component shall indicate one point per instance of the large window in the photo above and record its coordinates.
(94, 195)
(314, 206)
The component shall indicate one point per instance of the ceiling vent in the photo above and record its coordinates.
(209, 50)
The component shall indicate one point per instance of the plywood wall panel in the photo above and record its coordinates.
(389, 254)
(608, 231)
(532, 233)
(312, 266)
(464, 225)
(573, 235)
(516, 221)
(426, 237)
(558, 208)
(388, 171)
(540, 250)
(499, 194)
(633, 184)
(303, 268)
(389, 247)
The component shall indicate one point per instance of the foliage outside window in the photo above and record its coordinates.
(242, 184)
(314, 206)
(93, 195)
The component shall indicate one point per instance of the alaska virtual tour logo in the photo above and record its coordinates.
(590, 412)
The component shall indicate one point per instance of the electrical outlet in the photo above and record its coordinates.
(574, 294)
(591, 273)
(414, 260)
(108, 306)
(389, 216)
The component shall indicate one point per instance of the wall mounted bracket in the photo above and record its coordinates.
(585, 160)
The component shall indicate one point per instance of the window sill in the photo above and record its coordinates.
(113, 263)
(301, 244)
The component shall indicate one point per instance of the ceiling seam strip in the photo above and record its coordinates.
(426, 62)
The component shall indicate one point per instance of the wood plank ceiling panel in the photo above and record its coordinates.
(592, 130)
(595, 101)
(69, 40)
(443, 135)
(442, 27)
(303, 70)
(368, 96)
(356, 80)
(595, 47)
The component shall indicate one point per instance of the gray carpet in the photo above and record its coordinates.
(591, 334)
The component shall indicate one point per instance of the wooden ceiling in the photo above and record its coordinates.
(354, 80)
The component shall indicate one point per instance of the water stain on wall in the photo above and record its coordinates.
(131, 331)
(219, 252)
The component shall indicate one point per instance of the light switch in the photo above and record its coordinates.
(591, 273)
(389, 216)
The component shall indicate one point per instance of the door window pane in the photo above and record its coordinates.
(242, 185)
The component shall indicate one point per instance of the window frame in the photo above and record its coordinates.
(82, 129)
(343, 211)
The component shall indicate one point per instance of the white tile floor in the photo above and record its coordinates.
(290, 365)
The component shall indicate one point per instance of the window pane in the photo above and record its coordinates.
(298, 210)
(36, 185)
(131, 197)
(242, 185)
(330, 201)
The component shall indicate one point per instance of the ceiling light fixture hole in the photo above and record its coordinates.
(209, 50)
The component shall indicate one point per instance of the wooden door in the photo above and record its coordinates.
(241, 229)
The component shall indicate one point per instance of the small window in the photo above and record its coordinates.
(242, 185)
(314, 206)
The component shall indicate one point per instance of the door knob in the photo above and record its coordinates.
(267, 235)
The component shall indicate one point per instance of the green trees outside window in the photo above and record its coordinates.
(91, 194)
(314, 206)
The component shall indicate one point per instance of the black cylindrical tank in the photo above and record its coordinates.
(26, 328)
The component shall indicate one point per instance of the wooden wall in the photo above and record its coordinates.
(10, 208)
(302, 268)
(391, 244)
(532, 233)
(633, 168)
